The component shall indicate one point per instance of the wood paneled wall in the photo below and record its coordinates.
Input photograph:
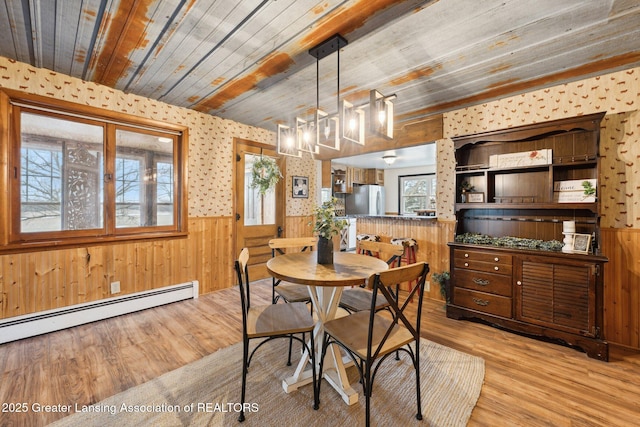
(621, 286)
(298, 226)
(432, 237)
(37, 281)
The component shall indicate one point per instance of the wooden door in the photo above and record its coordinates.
(258, 218)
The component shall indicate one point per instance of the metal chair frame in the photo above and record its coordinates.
(242, 272)
(376, 352)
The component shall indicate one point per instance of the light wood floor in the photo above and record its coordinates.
(527, 382)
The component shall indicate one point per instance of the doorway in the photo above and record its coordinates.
(259, 218)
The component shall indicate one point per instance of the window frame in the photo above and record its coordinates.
(13, 103)
(431, 176)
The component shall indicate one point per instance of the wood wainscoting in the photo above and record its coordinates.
(37, 281)
(621, 286)
(298, 226)
(432, 236)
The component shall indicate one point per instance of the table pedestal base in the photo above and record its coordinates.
(325, 302)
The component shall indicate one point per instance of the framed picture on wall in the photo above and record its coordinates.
(300, 185)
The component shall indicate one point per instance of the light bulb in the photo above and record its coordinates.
(382, 116)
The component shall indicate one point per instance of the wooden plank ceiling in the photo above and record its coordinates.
(248, 61)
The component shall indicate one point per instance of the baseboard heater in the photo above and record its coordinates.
(30, 325)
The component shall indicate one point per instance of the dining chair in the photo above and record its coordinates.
(269, 322)
(290, 292)
(370, 337)
(359, 298)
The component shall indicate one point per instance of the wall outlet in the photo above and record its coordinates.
(427, 286)
(115, 287)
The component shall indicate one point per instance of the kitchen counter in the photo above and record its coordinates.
(397, 217)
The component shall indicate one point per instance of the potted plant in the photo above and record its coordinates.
(326, 225)
(443, 280)
(265, 174)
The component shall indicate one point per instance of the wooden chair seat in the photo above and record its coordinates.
(291, 292)
(276, 319)
(358, 299)
(351, 331)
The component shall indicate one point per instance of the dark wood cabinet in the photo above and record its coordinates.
(506, 264)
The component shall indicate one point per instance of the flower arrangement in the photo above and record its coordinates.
(326, 224)
(466, 187)
(265, 174)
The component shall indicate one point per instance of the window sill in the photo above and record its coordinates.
(81, 242)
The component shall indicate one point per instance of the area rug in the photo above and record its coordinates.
(205, 393)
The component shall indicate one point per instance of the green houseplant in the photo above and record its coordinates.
(265, 174)
(442, 279)
(326, 225)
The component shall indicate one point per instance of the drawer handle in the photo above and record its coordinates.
(519, 283)
(466, 264)
(482, 302)
(496, 268)
(481, 282)
(466, 255)
(496, 259)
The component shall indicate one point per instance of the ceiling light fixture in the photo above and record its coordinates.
(381, 114)
(389, 159)
(348, 122)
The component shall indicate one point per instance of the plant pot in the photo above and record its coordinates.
(325, 251)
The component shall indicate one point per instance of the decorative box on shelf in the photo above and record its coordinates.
(525, 158)
(573, 191)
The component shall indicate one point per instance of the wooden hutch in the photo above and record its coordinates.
(508, 267)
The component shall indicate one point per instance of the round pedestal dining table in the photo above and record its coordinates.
(325, 283)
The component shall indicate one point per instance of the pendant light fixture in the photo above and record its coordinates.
(348, 122)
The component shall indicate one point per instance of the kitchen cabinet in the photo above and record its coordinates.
(342, 181)
(358, 176)
(375, 176)
(507, 267)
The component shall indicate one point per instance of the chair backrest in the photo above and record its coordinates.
(382, 250)
(282, 243)
(242, 271)
(279, 245)
(381, 283)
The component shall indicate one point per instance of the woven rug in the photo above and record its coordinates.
(203, 393)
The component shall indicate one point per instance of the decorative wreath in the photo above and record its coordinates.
(265, 174)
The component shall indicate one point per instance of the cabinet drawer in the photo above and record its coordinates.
(489, 267)
(485, 282)
(481, 301)
(494, 257)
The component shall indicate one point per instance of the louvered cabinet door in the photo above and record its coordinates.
(559, 294)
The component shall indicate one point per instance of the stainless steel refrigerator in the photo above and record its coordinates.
(365, 200)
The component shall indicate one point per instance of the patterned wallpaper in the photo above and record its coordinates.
(306, 166)
(210, 138)
(617, 93)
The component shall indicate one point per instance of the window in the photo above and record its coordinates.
(417, 192)
(258, 209)
(79, 174)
